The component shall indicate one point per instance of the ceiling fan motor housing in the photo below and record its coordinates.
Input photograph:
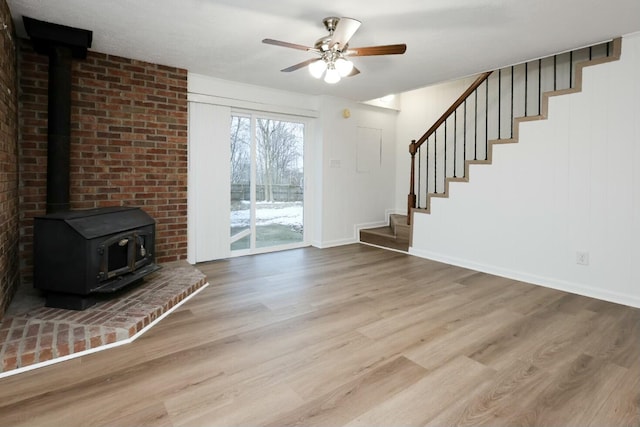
(323, 43)
(330, 23)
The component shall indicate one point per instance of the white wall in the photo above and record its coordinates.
(352, 198)
(572, 184)
(339, 198)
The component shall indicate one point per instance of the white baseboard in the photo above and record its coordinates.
(390, 212)
(548, 282)
(366, 225)
(383, 247)
(333, 243)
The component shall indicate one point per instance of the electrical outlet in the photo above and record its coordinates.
(582, 258)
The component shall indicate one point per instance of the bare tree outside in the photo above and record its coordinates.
(240, 149)
(279, 155)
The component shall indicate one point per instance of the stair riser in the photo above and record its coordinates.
(386, 242)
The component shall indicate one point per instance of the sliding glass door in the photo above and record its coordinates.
(267, 183)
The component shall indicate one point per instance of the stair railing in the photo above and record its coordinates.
(414, 147)
(486, 113)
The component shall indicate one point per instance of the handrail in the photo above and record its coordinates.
(481, 78)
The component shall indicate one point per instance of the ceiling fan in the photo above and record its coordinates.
(334, 50)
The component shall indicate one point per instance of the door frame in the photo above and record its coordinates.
(254, 115)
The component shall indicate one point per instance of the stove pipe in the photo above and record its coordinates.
(61, 44)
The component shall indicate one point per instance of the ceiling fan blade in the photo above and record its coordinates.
(287, 44)
(345, 29)
(299, 65)
(353, 72)
(391, 49)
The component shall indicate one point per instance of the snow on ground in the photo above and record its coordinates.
(285, 213)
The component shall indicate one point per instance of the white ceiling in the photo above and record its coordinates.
(446, 39)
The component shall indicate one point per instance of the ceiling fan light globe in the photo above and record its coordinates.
(316, 68)
(332, 76)
(344, 67)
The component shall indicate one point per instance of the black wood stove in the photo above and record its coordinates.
(79, 254)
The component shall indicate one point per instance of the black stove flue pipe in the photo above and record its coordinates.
(59, 130)
(61, 44)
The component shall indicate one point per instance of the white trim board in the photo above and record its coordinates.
(334, 243)
(249, 105)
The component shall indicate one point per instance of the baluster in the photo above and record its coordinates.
(464, 136)
(419, 173)
(555, 67)
(499, 101)
(455, 142)
(486, 120)
(475, 127)
(444, 175)
(526, 86)
(539, 86)
(571, 69)
(511, 121)
(435, 162)
(426, 178)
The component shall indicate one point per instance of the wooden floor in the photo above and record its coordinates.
(355, 336)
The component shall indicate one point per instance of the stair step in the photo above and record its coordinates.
(395, 235)
(399, 226)
(385, 231)
(384, 236)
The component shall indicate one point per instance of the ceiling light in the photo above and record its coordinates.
(332, 65)
(332, 75)
(317, 68)
(344, 67)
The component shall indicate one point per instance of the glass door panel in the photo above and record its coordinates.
(267, 183)
(279, 182)
(241, 218)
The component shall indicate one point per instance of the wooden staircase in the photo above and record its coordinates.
(433, 174)
(488, 113)
(393, 236)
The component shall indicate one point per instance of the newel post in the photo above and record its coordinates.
(411, 199)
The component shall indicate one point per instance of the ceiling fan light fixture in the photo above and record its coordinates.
(332, 75)
(344, 67)
(316, 68)
(334, 51)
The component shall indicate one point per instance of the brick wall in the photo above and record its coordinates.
(8, 161)
(128, 143)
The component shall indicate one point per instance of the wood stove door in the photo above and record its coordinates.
(124, 253)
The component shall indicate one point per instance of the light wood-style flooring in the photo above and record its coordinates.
(353, 336)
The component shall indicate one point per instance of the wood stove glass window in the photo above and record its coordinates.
(125, 253)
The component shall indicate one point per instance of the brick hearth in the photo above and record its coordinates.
(43, 334)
